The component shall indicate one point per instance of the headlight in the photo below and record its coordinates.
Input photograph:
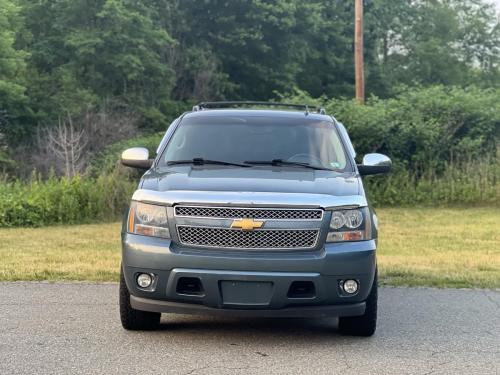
(338, 220)
(353, 219)
(148, 220)
(343, 222)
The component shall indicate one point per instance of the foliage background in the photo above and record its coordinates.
(68, 55)
(115, 73)
(443, 143)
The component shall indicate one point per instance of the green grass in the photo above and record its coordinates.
(77, 252)
(417, 247)
(440, 247)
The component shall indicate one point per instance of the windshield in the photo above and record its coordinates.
(251, 138)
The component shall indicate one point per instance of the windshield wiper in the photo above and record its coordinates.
(201, 161)
(279, 162)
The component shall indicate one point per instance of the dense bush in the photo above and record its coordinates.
(421, 129)
(88, 199)
(427, 127)
(100, 195)
(106, 161)
(471, 183)
(443, 142)
(63, 200)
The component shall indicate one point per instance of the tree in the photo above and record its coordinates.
(94, 50)
(156, 57)
(328, 65)
(261, 45)
(12, 71)
(68, 146)
(453, 42)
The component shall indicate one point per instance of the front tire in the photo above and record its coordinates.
(135, 320)
(366, 324)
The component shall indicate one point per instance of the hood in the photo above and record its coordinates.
(255, 179)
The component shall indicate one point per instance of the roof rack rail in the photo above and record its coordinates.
(226, 104)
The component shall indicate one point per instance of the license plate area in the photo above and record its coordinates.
(246, 293)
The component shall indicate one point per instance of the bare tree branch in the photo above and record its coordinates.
(68, 146)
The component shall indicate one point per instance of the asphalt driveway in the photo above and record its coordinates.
(74, 328)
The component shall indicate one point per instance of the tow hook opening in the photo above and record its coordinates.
(302, 289)
(190, 286)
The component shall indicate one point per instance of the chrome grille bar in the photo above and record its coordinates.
(254, 213)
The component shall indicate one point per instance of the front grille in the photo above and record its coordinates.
(254, 213)
(238, 239)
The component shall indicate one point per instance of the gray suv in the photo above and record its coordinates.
(251, 212)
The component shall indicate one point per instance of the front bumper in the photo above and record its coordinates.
(249, 283)
(320, 311)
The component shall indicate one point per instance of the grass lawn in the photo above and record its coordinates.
(418, 247)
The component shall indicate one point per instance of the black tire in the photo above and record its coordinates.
(135, 320)
(364, 325)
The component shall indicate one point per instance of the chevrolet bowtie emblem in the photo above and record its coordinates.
(247, 224)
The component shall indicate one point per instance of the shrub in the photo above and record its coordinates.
(63, 200)
(106, 161)
(443, 142)
(89, 199)
(422, 129)
(470, 183)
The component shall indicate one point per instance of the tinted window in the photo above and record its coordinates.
(239, 139)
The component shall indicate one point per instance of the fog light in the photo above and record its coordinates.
(144, 280)
(350, 286)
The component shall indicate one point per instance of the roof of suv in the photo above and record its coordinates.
(258, 113)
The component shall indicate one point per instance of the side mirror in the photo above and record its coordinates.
(137, 157)
(374, 164)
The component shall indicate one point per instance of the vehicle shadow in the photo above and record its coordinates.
(256, 328)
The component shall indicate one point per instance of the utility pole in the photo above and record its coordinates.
(358, 51)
